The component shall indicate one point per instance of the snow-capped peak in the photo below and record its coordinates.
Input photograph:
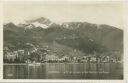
(37, 24)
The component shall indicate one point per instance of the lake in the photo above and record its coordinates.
(64, 71)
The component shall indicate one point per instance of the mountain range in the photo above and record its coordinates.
(84, 37)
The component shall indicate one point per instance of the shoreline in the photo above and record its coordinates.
(45, 63)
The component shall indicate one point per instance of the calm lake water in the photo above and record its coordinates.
(64, 71)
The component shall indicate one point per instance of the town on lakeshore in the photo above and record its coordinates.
(44, 55)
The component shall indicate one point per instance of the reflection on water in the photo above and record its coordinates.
(64, 71)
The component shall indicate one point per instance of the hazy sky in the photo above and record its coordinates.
(111, 14)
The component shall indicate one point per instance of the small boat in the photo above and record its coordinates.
(31, 64)
(34, 64)
(37, 63)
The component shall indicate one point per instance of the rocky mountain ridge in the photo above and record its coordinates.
(82, 36)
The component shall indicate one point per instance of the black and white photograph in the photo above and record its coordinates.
(63, 41)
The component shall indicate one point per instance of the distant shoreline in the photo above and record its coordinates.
(42, 63)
